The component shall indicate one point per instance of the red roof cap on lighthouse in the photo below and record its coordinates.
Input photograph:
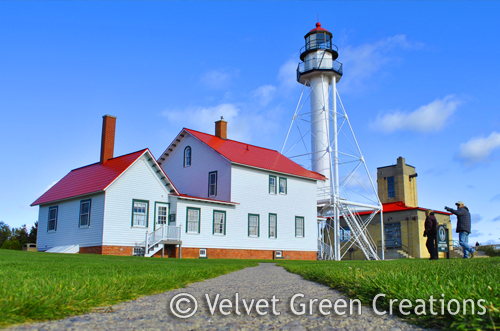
(318, 28)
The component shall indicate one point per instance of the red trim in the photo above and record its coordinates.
(391, 207)
(204, 199)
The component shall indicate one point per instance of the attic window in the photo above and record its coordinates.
(187, 156)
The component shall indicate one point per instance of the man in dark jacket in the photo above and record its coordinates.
(463, 227)
(431, 233)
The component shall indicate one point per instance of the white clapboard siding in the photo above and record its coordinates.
(193, 180)
(250, 189)
(139, 182)
(68, 232)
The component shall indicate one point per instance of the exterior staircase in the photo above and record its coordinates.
(157, 239)
(396, 253)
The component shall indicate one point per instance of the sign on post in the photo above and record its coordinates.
(442, 239)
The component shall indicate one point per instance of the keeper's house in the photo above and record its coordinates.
(230, 200)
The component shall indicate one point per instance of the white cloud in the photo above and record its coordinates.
(203, 118)
(287, 76)
(478, 149)
(363, 61)
(218, 79)
(264, 94)
(426, 118)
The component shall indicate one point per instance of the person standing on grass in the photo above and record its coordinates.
(463, 227)
(431, 233)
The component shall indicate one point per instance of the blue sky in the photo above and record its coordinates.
(420, 81)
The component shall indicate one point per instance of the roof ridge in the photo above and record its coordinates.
(88, 165)
(236, 141)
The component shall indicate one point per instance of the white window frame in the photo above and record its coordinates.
(299, 230)
(188, 158)
(193, 223)
(273, 227)
(283, 189)
(253, 230)
(49, 219)
(82, 203)
(137, 215)
(219, 227)
(272, 187)
(212, 186)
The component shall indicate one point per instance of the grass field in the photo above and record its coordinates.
(417, 279)
(41, 286)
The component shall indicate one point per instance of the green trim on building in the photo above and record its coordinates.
(147, 212)
(258, 224)
(213, 221)
(275, 226)
(303, 226)
(286, 185)
(275, 184)
(199, 218)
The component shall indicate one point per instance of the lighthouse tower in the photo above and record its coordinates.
(318, 70)
(341, 204)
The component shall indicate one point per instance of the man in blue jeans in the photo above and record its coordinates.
(463, 227)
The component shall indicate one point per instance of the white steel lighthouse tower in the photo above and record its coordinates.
(334, 153)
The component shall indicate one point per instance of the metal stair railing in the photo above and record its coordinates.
(364, 241)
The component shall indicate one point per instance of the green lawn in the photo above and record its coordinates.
(42, 286)
(417, 279)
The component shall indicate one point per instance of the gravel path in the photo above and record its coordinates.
(262, 282)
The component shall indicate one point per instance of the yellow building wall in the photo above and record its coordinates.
(412, 230)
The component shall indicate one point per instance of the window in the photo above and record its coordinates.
(273, 219)
(272, 184)
(203, 253)
(140, 210)
(219, 222)
(282, 185)
(84, 213)
(299, 226)
(391, 192)
(212, 184)
(52, 222)
(253, 225)
(187, 156)
(193, 220)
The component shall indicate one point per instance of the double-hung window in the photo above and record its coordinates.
(299, 226)
(219, 222)
(193, 220)
(212, 184)
(84, 213)
(52, 221)
(273, 224)
(282, 185)
(140, 211)
(187, 156)
(253, 225)
(272, 184)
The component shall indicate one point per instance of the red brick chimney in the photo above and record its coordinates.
(221, 128)
(108, 137)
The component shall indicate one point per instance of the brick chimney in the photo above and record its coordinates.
(108, 137)
(221, 128)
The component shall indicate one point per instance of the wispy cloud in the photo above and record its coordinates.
(479, 149)
(495, 198)
(219, 79)
(427, 118)
(496, 219)
(264, 94)
(203, 118)
(366, 60)
(287, 76)
(476, 218)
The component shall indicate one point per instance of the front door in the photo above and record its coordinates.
(393, 235)
(161, 214)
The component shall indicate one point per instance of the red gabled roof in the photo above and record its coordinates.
(89, 179)
(390, 207)
(254, 156)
